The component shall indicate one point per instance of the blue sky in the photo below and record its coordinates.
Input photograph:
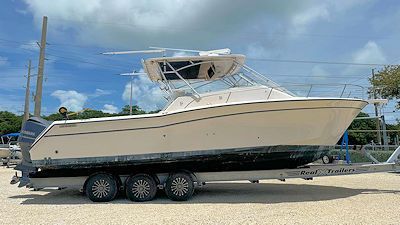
(76, 75)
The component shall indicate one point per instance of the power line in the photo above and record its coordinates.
(249, 58)
(17, 42)
(320, 76)
(75, 53)
(52, 43)
(283, 75)
(248, 33)
(316, 62)
(88, 62)
(12, 68)
(75, 46)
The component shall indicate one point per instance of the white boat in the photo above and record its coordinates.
(8, 144)
(245, 122)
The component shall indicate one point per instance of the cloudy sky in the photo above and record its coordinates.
(293, 42)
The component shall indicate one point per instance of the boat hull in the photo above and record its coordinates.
(259, 158)
(303, 122)
(247, 136)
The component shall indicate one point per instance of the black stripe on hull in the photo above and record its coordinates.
(259, 158)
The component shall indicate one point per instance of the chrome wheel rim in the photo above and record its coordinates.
(141, 189)
(179, 186)
(101, 188)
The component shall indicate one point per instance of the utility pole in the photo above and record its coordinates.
(39, 84)
(378, 127)
(27, 90)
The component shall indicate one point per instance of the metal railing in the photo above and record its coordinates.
(324, 90)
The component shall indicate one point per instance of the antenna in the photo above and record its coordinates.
(131, 86)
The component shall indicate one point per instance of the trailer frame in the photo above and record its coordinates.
(307, 172)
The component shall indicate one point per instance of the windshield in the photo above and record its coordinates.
(241, 79)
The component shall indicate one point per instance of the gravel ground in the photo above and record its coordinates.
(355, 199)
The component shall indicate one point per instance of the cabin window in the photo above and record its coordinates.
(211, 71)
(191, 72)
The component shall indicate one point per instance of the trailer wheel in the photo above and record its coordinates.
(326, 159)
(140, 188)
(179, 187)
(101, 187)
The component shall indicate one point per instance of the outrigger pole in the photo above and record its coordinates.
(133, 73)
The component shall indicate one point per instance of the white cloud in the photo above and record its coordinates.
(3, 61)
(107, 108)
(142, 23)
(13, 79)
(370, 53)
(319, 72)
(312, 14)
(145, 94)
(71, 99)
(100, 92)
(31, 46)
(21, 11)
(321, 11)
(12, 103)
(256, 50)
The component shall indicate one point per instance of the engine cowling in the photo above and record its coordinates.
(31, 129)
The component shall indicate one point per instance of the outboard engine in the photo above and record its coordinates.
(31, 129)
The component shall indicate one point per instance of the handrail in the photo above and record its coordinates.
(313, 90)
(259, 79)
(339, 92)
(309, 91)
(344, 88)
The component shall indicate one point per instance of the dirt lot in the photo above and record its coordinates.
(356, 199)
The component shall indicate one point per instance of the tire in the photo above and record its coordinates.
(326, 159)
(101, 187)
(179, 187)
(141, 188)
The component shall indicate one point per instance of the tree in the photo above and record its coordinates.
(387, 83)
(362, 138)
(136, 110)
(87, 114)
(393, 135)
(9, 122)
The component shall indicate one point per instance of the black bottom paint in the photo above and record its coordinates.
(260, 158)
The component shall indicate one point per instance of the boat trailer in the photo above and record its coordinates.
(201, 178)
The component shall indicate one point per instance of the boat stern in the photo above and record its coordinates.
(31, 129)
